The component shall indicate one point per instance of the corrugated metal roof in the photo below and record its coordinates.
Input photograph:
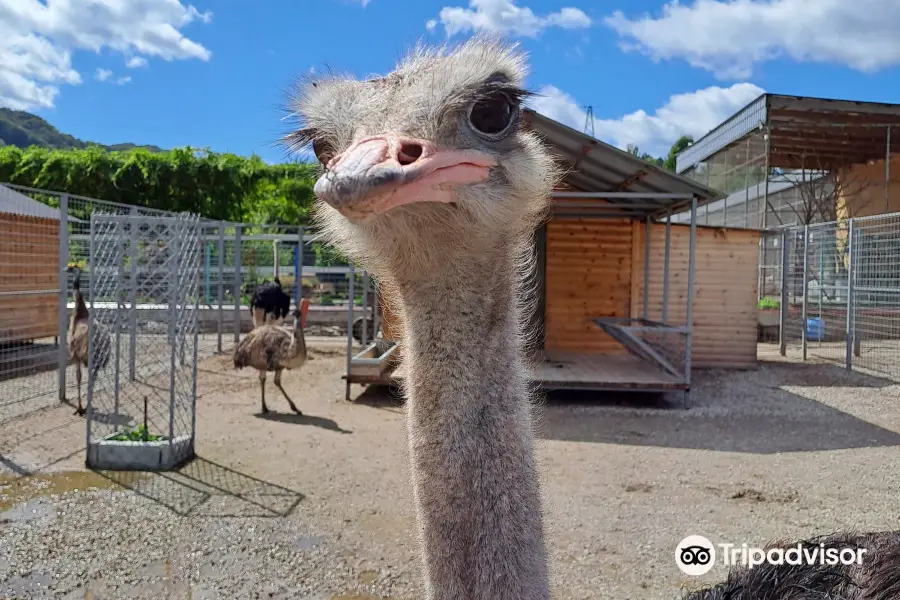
(600, 167)
(13, 202)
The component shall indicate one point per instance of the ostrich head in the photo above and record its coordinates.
(428, 164)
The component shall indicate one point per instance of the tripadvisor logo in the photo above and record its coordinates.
(695, 555)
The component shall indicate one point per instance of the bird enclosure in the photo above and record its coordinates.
(840, 293)
(141, 406)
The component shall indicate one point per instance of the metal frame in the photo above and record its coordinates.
(163, 355)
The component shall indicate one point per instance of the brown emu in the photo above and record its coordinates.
(271, 347)
(77, 338)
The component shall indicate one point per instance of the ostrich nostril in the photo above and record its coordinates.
(409, 153)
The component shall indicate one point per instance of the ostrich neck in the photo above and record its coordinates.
(470, 433)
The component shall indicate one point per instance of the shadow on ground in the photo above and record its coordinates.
(721, 418)
(202, 488)
(304, 419)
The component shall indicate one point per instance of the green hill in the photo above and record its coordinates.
(22, 129)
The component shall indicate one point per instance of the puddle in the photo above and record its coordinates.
(16, 489)
(368, 577)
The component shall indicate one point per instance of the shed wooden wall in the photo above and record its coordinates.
(865, 190)
(29, 261)
(589, 272)
(725, 315)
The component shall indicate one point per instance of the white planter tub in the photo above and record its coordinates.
(116, 455)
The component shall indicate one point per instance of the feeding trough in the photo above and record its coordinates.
(375, 360)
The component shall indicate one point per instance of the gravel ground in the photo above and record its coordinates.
(319, 507)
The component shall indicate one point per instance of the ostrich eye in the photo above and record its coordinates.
(492, 114)
(323, 151)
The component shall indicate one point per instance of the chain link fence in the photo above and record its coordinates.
(840, 293)
(45, 234)
(144, 276)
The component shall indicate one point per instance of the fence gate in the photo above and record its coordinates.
(143, 278)
(841, 293)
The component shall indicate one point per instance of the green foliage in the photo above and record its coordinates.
(669, 162)
(139, 434)
(632, 149)
(22, 129)
(679, 146)
(768, 303)
(215, 185)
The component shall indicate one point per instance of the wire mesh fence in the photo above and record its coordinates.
(37, 256)
(840, 293)
(143, 339)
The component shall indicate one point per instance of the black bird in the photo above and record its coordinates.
(269, 300)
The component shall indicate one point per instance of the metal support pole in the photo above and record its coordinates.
(887, 172)
(62, 321)
(298, 268)
(351, 292)
(785, 296)
(199, 231)
(365, 309)
(689, 317)
(120, 308)
(175, 265)
(238, 276)
(375, 323)
(803, 324)
(132, 296)
(647, 269)
(850, 305)
(764, 207)
(220, 314)
(747, 185)
(665, 300)
(92, 316)
(207, 251)
(275, 258)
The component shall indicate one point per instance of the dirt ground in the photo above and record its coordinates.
(319, 506)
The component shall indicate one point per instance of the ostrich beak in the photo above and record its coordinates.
(382, 172)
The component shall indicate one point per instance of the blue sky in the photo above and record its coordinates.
(215, 74)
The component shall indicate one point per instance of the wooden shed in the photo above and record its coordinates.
(29, 268)
(627, 300)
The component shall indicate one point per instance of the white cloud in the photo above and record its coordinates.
(102, 74)
(504, 17)
(730, 38)
(37, 40)
(123, 80)
(693, 113)
(136, 62)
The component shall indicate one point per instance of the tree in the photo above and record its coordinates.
(679, 146)
(214, 185)
(633, 149)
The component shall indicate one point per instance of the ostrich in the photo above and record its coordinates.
(77, 338)
(430, 183)
(274, 348)
(269, 298)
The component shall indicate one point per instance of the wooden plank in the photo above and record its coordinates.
(588, 275)
(576, 369)
(553, 370)
(725, 316)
